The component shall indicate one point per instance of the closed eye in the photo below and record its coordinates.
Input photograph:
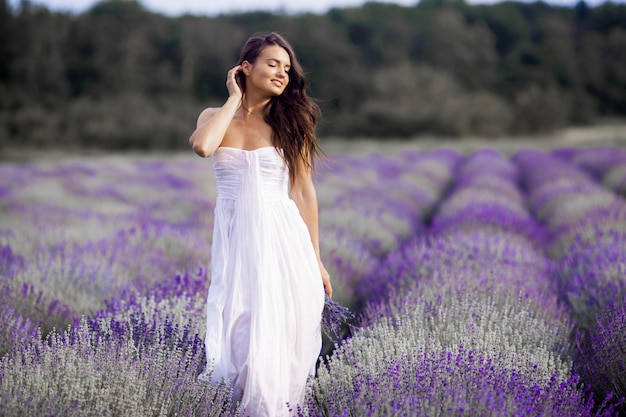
(274, 63)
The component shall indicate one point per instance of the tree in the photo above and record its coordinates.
(466, 51)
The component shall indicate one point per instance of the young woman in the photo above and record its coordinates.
(267, 279)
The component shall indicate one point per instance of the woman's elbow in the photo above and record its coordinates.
(303, 196)
(198, 148)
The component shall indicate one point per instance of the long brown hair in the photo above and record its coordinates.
(293, 114)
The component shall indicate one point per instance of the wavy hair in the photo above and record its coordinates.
(293, 114)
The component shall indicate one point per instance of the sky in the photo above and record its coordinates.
(215, 7)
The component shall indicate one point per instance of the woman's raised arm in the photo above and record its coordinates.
(213, 122)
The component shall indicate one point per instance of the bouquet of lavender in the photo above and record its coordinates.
(334, 317)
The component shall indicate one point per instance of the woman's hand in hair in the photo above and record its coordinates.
(232, 84)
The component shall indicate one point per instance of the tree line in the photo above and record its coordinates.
(120, 76)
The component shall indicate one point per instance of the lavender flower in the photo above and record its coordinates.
(600, 357)
(335, 319)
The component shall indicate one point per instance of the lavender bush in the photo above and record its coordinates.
(456, 382)
(593, 275)
(606, 165)
(456, 270)
(371, 205)
(480, 231)
(567, 200)
(505, 329)
(78, 254)
(587, 227)
(477, 289)
(600, 354)
(587, 224)
(483, 261)
(144, 365)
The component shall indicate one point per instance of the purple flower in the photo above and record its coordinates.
(335, 319)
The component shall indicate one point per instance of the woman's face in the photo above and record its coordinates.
(270, 71)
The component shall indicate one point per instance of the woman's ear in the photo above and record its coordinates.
(246, 67)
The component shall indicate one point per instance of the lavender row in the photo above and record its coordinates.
(605, 165)
(76, 236)
(482, 222)
(587, 223)
(144, 361)
(369, 205)
(118, 251)
(587, 226)
(463, 322)
(97, 241)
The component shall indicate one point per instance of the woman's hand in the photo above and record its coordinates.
(328, 288)
(234, 89)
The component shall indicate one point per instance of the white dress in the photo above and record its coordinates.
(266, 296)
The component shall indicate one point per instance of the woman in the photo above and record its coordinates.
(267, 279)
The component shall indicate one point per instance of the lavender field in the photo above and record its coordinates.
(483, 284)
